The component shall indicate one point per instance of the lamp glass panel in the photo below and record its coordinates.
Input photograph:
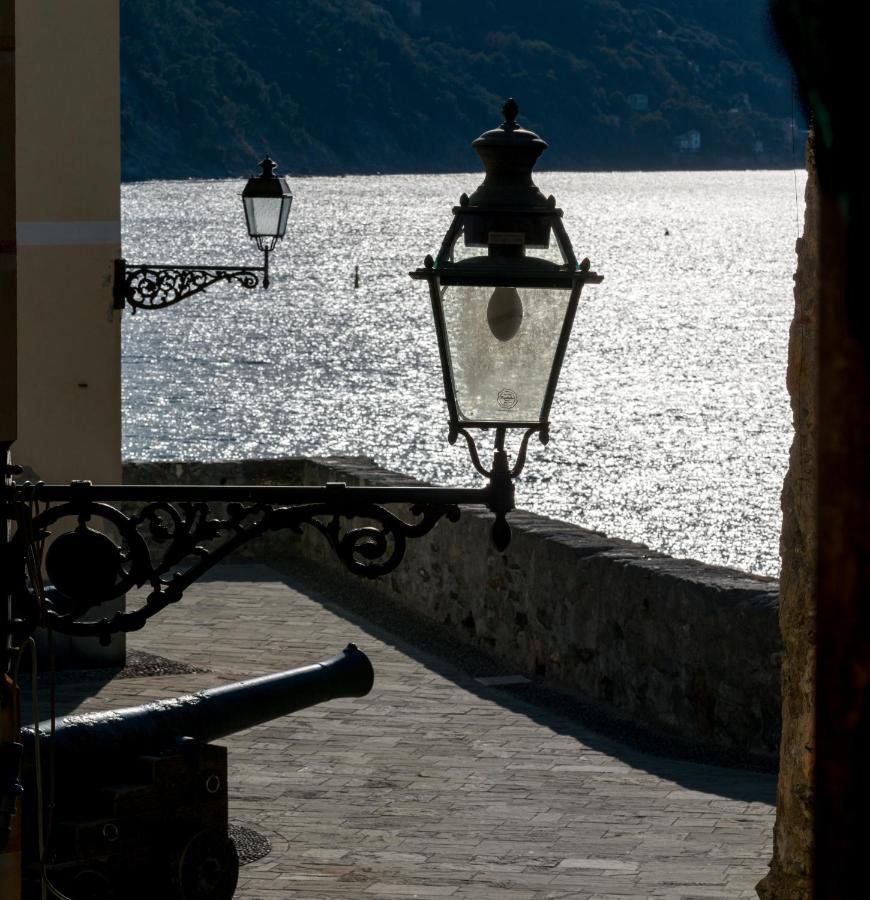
(282, 216)
(264, 216)
(502, 344)
(552, 252)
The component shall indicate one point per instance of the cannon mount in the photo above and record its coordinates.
(140, 794)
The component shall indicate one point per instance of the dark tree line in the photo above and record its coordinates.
(333, 86)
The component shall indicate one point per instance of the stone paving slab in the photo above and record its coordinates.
(435, 785)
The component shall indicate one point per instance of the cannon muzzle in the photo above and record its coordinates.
(207, 715)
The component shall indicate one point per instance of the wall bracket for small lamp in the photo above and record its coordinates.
(266, 199)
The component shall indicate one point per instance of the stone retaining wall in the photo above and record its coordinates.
(685, 648)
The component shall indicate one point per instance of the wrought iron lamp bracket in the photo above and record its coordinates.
(156, 287)
(501, 475)
(108, 540)
(543, 432)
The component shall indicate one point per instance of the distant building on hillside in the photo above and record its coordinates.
(688, 142)
(638, 102)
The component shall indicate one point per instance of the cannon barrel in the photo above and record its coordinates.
(210, 714)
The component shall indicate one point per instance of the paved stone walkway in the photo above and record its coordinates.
(435, 785)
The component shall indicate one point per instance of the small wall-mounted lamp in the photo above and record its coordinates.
(266, 200)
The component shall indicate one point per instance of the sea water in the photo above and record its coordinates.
(671, 424)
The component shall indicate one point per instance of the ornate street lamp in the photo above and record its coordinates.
(266, 199)
(504, 289)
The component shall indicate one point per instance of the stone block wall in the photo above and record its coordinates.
(682, 647)
(790, 873)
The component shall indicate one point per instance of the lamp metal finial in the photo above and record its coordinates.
(268, 166)
(510, 110)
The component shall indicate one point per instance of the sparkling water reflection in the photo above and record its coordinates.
(671, 424)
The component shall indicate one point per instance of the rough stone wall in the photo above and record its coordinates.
(685, 648)
(789, 877)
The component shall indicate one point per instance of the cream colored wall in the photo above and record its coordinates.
(68, 233)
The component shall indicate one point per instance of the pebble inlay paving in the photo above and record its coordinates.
(435, 785)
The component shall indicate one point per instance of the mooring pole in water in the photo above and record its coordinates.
(356, 276)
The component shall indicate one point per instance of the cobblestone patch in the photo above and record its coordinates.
(140, 664)
(250, 844)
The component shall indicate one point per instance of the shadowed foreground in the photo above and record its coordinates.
(435, 785)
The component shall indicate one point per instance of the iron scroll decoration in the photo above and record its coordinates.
(157, 287)
(110, 540)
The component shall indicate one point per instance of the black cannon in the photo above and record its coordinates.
(140, 795)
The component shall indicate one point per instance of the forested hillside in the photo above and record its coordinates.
(329, 86)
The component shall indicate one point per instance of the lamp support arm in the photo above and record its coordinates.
(108, 540)
(156, 286)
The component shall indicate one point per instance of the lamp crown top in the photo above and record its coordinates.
(268, 167)
(510, 133)
(509, 154)
(267, 183)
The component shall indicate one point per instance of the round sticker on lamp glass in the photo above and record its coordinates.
(507, 399)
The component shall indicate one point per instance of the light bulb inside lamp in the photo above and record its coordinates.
(504, 313)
